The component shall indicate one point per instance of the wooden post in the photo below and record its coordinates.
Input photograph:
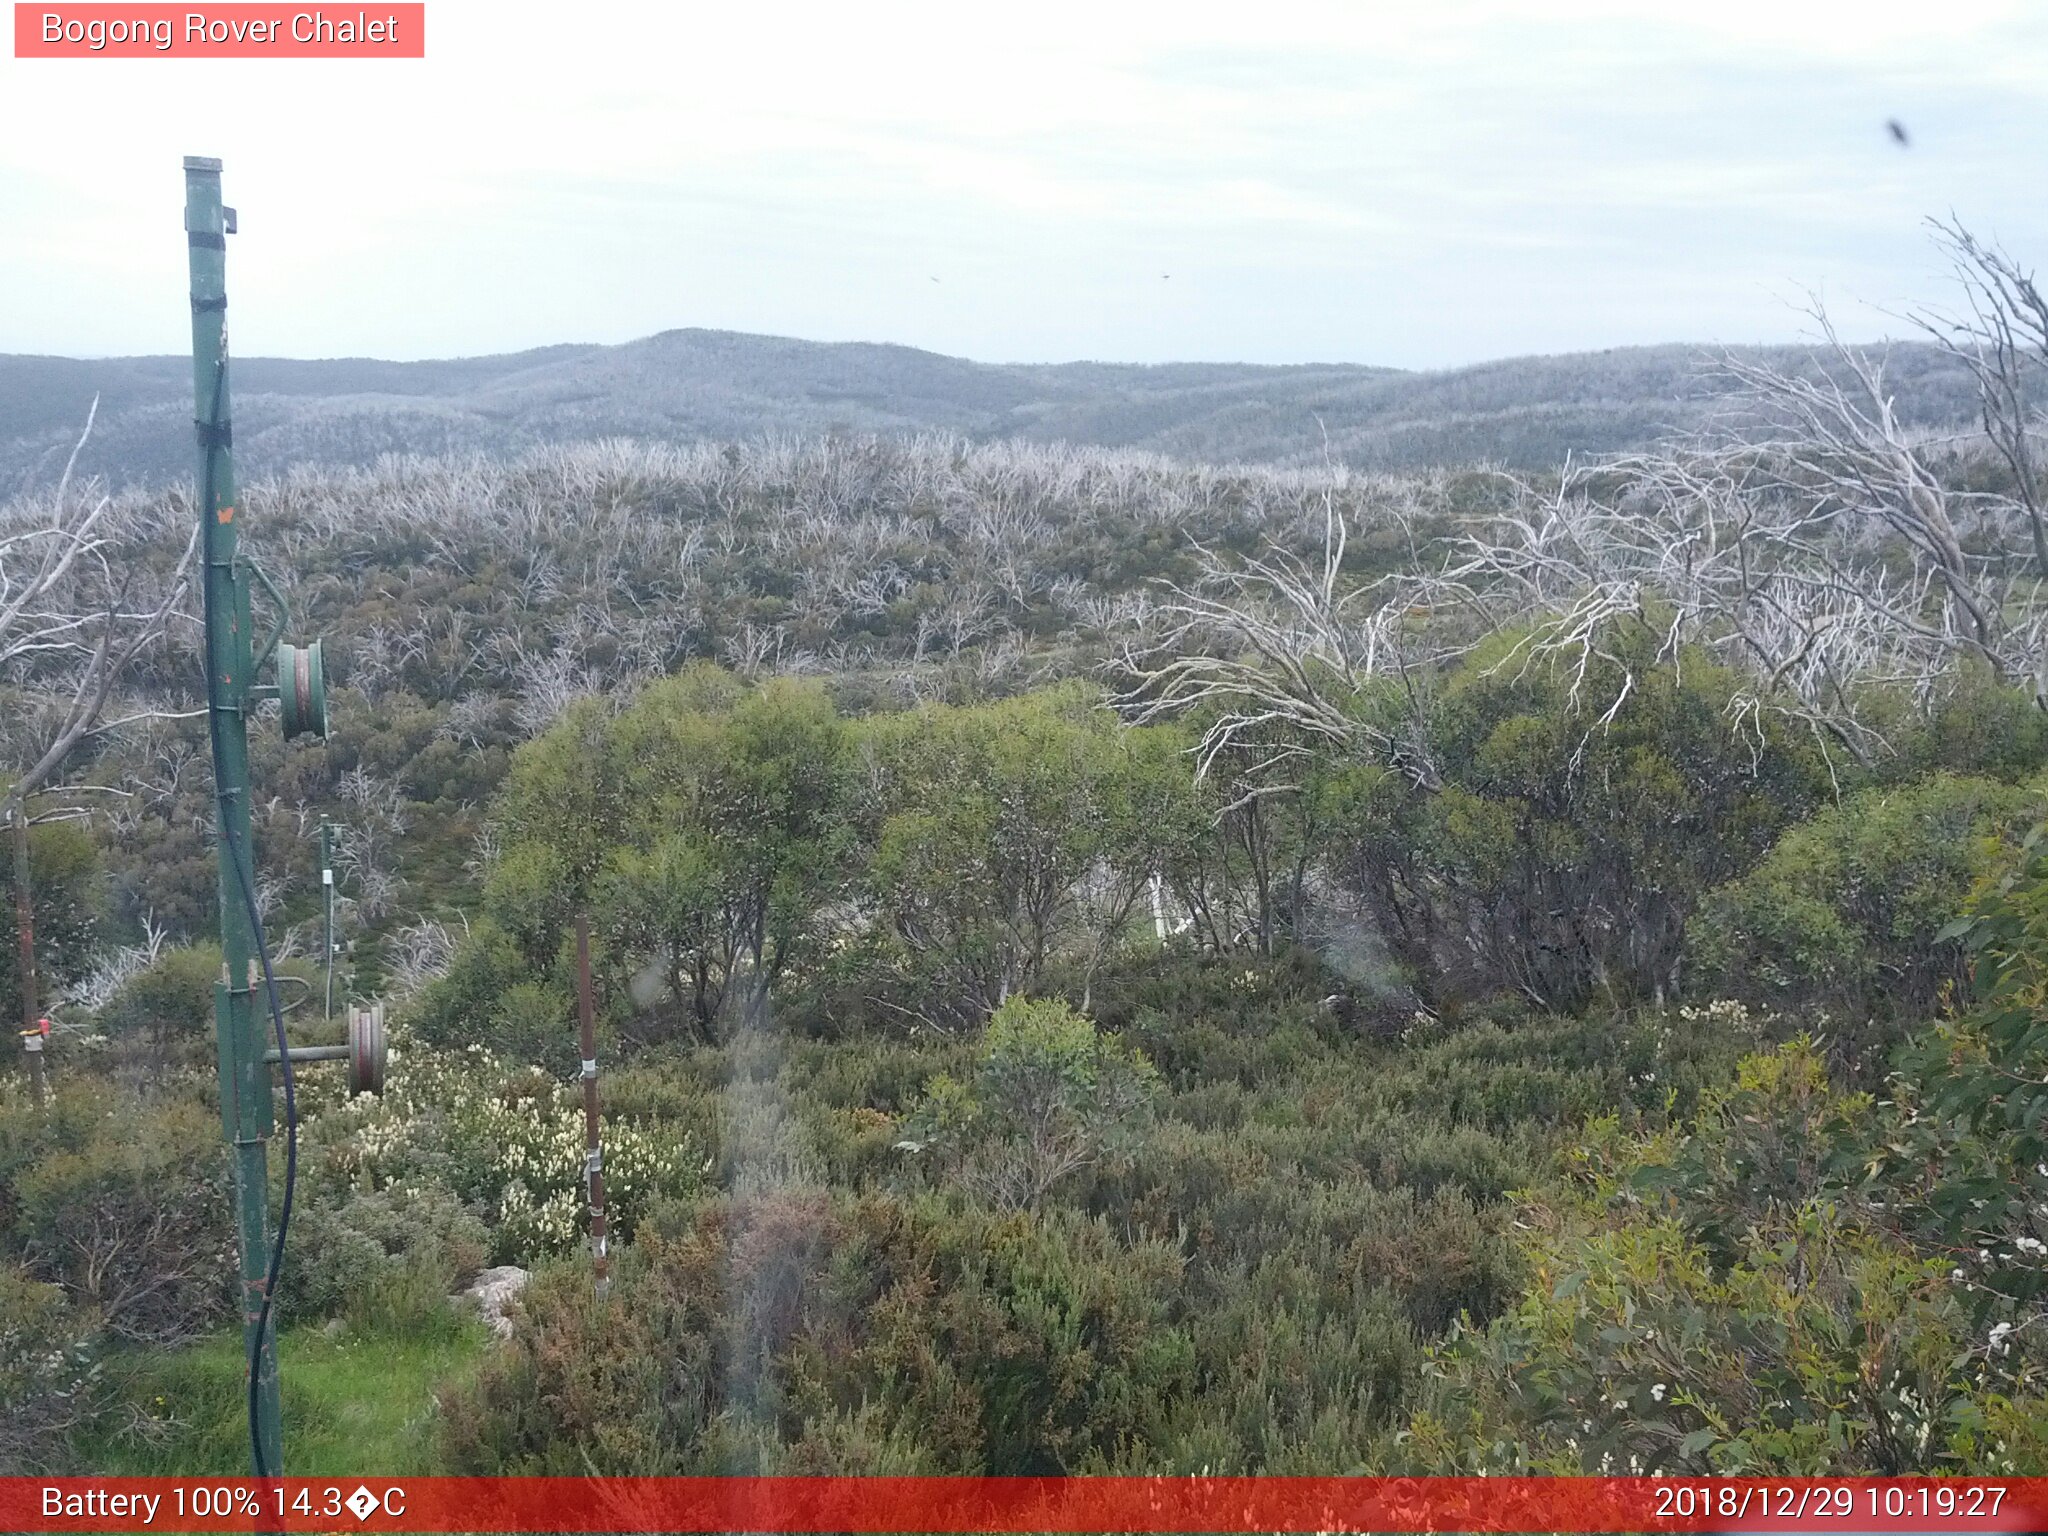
(593, 1144)
(25, 966)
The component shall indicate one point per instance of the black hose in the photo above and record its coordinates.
(239, 857)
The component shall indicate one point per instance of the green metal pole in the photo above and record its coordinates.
(245, 1101)
(327, 894)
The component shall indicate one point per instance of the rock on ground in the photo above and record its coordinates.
(492, 1293)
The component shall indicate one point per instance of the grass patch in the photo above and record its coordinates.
(355, 1404)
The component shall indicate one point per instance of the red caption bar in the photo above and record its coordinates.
(1019, 1504)
(231, 31)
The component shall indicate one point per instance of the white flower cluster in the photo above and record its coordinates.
(1725, 1015)
(507, 1141)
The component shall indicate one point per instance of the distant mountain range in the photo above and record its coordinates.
(694, 384)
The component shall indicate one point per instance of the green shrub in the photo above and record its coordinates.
(1294, 1381)
(734, 840)
(69, 886)
(70, 1118)
(1977, 728)
(1235, 1017)
(168, 1007)
(1962, 1165)
(1707, 1303)
(387, 1259)
(123, 1202)
(625, 1386)
(754, 1338)
(1846, 911)
(1007, 836)
(1045, 1346)
(536, 1022)
(1049, 1096)
(49, 1374)
(1566, 849)
(461, 1008)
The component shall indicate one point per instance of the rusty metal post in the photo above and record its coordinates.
(25, 967)
(593, 1144)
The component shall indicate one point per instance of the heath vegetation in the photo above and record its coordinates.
(1104, 963)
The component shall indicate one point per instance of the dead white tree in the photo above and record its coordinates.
(1810, 538)
(2001, 336)
(78, 605)
(112, 971)
(1283, 652)
(79, 602)
(420, 952)
(548, 682)
(370, 830)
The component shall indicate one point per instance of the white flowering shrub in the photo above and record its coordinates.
(507, 1140)
(1724, 1015)
(1725, 1020)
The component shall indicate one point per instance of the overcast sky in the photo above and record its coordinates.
(1418, 184)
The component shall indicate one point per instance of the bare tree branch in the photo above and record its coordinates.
(69, 626)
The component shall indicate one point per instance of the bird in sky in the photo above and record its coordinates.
(1898, 133)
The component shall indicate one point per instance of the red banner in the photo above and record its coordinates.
(223, 31)
(1065, 1505)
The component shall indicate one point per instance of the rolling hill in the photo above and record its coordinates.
(696, 384)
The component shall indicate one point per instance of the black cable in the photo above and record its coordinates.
(213, 436)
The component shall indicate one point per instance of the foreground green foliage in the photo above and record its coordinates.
(1707, 1304)
(1806, 1281)
(1243, 1280)
(49, 1373)
(1967, 1165)
(114, 1236)
(120, 1200)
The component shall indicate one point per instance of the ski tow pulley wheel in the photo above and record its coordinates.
(366, 1050)
(302, 689)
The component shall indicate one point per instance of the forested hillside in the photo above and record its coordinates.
(1104, 962)
(698, 385)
